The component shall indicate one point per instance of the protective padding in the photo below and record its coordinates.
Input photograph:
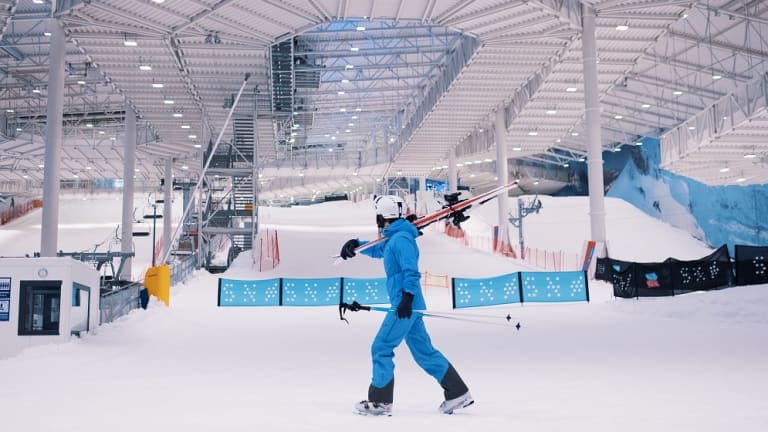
(311, 292)
(249, 292)
(497, 290)
(157, 280)
(554, 286)
(366, 290)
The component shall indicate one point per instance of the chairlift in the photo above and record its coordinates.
(139, 228)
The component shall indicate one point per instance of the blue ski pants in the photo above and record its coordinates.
(391, 333)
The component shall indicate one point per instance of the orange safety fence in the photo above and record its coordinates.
(18, 210)
(434, 281)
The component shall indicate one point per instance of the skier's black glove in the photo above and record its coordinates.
(348, 250)
(405, 308)
(355, 306)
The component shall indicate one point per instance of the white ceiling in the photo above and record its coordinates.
(421, 77)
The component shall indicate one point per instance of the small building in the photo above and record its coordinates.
(45, 300)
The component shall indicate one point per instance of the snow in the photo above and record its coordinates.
(690, 363)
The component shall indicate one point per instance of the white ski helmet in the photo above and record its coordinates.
(389, 207)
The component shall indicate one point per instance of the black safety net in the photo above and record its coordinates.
(751, 265)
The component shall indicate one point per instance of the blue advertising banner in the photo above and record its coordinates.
(554, 286)
(311, 292)
(249, 292)
(5, 299)
(497, 290)
(366, 290)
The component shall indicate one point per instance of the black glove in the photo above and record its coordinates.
(355, 306)
(348, 250)
(405, 308)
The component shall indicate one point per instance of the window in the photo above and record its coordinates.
(39, 308)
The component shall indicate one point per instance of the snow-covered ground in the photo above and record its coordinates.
(689, 363)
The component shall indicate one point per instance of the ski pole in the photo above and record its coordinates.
(355, 306)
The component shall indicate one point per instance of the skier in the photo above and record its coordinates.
(401, 256)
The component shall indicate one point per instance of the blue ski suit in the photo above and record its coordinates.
(401, 256)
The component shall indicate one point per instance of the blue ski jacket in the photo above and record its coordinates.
(401, 262)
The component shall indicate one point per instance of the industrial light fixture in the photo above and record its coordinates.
(717, 77)
(724, 169)
(360, 28)
(618, 117)
(571, 89)
(532, 133)
(185, 126)
(192, 136)
(677, 92)
(750, 155)
(145, 67)
(645, 105)
(551, 112)
(622, 27)
(349, 66)
(130, 41)
(345, 81)
(81, 82)
(168, 101)
(157, 85)
(47, 34)
(354, 49)
(178, 115)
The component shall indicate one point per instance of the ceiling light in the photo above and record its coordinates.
(197, 146)
(354, 117)
(36, 90)
(571, 89)
(349, 66)
(145, 67)
(354, 49)
(178, 115)
(89, 125)
(20, 129)
(347, 130)
(9, 110)
(574, 134)
(137, 170)
(716, 77)
(350, 124)
(193, 136)
(341, 92)
(360, 28)
(622, 27)
(741, 179)
(645, 105)
(185, 126)
(345, 81)
(87, 168)
(130, 41)
(691, 127)
(468, 163)
(551, 112)
(168, 102)
(184, 167)
(533, 133)
(47, 34)
(639, 143)
(677, 92)
(358, 109)
(750, 156)
(81, 82)
(724, 170)
(157, 1)
(618, 117)
(333, 137)
(343, 109)
(157, 85)
(37, 1)
(517, 148)
(101, 132)
(565, 165)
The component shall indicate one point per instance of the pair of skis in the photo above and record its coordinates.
(448, 212)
